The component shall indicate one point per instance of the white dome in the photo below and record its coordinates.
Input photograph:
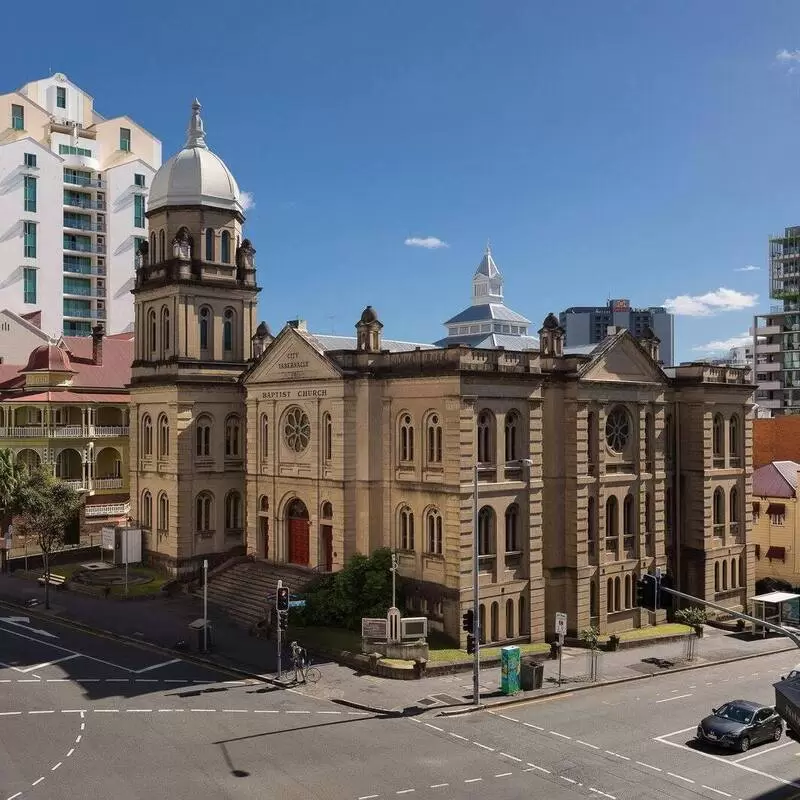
(194, 176)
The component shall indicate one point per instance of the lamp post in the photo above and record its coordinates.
(205, 605)
(476, 656)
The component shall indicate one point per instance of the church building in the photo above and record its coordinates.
(593, 466)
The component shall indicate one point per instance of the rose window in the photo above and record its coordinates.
(617, 430)
(296, 430)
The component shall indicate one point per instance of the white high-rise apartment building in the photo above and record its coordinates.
(73, 191)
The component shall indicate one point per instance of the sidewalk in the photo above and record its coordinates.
(164, 621)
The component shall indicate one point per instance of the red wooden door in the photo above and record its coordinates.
(327, 547)
(298, 541)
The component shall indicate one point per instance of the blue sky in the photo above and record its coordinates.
(617, 149)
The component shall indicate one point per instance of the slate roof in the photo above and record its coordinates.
(491, 341)
(778, 479)
(488, 311)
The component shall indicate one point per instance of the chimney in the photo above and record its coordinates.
(97, 345)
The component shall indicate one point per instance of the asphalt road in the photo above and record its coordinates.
(86, 716)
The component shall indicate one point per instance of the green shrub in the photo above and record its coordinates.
(694, 616)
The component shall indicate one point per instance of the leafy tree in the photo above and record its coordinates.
(47, 506)
(591, 636)
(695, 616)
(13, 476)
(362, 589)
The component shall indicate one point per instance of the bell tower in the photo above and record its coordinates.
(195, 305)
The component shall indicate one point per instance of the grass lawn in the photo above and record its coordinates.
(64, 570)
(141, 589)
(668, 629)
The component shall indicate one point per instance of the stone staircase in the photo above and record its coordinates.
(243, 588)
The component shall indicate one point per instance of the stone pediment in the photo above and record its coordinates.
(622, 360)
(291, 358)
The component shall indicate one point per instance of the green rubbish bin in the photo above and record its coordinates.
(531, 675)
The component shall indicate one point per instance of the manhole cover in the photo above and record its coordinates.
(447, 699)
(426, 701)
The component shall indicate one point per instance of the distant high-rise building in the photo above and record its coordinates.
(588, 325)
(73, 208)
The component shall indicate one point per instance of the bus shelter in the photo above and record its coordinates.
(770, 607)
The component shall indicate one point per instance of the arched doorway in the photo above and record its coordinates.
(263, 527)
(297, 529)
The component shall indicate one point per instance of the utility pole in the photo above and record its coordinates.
(394, 579)
(476, 624)
(205, 605)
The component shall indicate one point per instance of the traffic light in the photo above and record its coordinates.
(470, 644)
(468, 620)
(283, 620)
(283, 599)
(665, 598)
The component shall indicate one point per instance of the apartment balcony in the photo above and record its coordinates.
(769, 386)
(773, 404)
(75, 483)
(107, 483)
(773, 347)
(84, 313)
(88, 183)
(767, 367)
(65, 432)
(81, 269)
(84, 247)
(766, 330)
(89, 204)
(108, 510)
(75, 291)
(93, 227)
(33, 168)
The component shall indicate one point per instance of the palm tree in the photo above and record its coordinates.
(13, 476)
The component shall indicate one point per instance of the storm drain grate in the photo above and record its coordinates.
(426, 701)
(447, 699)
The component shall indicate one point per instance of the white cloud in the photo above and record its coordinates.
(247, 200)
(723, 345)
(787, 55)
(706, 305)
(747, 268)
(428, 242)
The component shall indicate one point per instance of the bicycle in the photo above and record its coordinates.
(311, 674)
(302, 665)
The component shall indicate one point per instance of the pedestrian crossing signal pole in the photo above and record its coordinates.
(278, 599)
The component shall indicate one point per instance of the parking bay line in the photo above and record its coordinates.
(783, 781)
(764, 752)
(675, 697)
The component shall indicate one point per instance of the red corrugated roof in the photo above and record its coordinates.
(68, 396)
(778, 479)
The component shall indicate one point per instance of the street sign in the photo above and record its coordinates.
(561, 623)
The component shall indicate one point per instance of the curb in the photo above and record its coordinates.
(610, 682)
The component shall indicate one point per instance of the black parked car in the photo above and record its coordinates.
(739, 724)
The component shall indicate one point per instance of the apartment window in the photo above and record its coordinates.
(17, 117)
(30, 239)
(138, 180)
(138, 211)
(72, 150)
(30, 159)
(30, 193)
(125, 139)
(61, 97)
(29, 284)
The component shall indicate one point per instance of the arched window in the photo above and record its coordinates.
(724, 576)
(617, 593)
(232, 437)
(486, 538)
(734, 442)
(152, 332)
(485, 438)
(327, 510)
(162, 246)
(233, 511)
(523, 620)
(513, 544)
(153, 252)
(593, 599)
(147, 436)
(482, 623)
(612, 523)
(146, 511)
(204, 512)
(591, 441)
(205, 329)
(406, 438)
(327, 437)
(591, 525)
(163, 436)
(227, 330)
(511, 434)
(433, 526)
(209, 244)
(741, 571)
(509, 618)
(718, 441)
(733, 510)
(434, 439)
(495, 621)
(610, 596)
(264, 437)
(627, 591)
(628, 522)
(406, 528)
(165, 331)
(203, 437)
(226, 248)
(716, 576)
(733, 573)
(719, 511)
(163, 513)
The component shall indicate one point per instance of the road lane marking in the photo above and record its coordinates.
(472, 780)
(503, 774)
(435, 727)
(586, 744)
(368, 796)
(38, 781)
(158, 666)
(439, 785)
(568, 780)
(510, 719)
(680, 777)
(405, 791)
(544, 699)
(459, 736)
(485, 747)
(716, 791)
(649, 766)
(56, 766)
(560, 735)
(106, 710)
(42, 712)
(534, 766)
(675, 733)
(139, 710)
(531, 725)
(10, 713)
(675, 697)
(13, 796)
(70, 751)
(764, 752)
(513, 758)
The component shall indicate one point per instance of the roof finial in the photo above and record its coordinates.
(195, 135)
(488, 247)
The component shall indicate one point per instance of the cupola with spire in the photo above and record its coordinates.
(551, 337)
(368, 331)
